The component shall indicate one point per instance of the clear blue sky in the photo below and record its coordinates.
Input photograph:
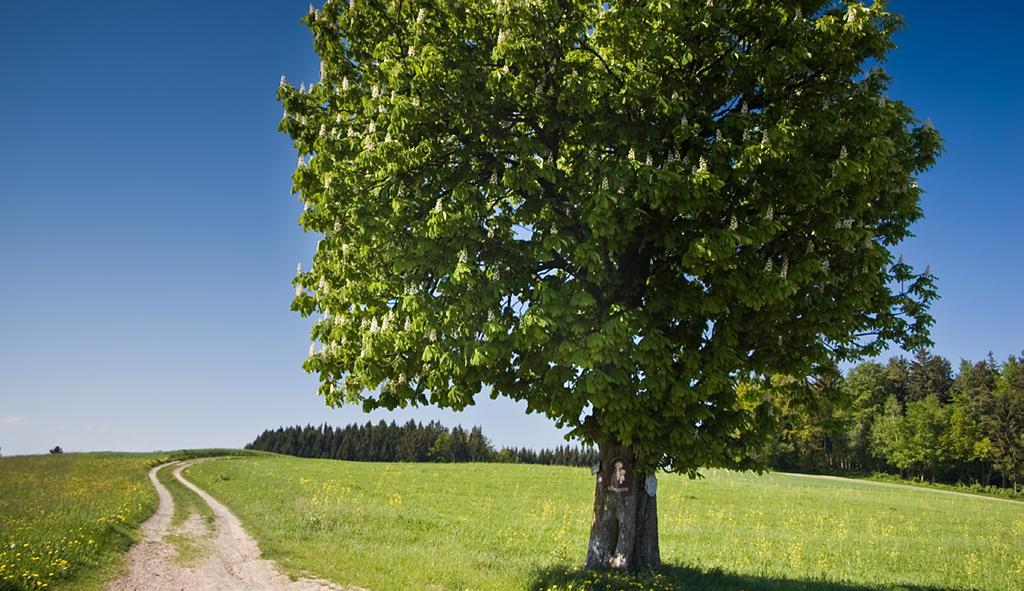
(148, 236)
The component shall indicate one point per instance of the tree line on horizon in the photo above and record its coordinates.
(914, 418)
(410, 442)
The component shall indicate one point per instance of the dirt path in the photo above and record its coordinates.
(224, 559)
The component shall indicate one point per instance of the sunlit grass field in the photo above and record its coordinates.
(503, 527)
(65, 519)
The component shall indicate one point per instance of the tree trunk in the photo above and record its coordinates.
(624, 533)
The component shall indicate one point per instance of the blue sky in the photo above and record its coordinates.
(148, 236)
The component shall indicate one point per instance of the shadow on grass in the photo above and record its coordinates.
(683, 578)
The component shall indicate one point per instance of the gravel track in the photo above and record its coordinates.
(227, 558)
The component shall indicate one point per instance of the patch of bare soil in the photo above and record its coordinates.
(227, 559)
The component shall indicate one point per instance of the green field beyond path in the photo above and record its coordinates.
(502, 527)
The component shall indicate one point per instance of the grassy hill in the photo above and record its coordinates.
(67, 517)
(65, 520)
(503, 527)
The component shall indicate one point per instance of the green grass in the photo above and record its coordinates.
(65, 519)
(502, 527)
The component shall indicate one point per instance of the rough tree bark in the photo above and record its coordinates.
(624, 533)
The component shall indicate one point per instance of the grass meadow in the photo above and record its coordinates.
(65, 519)
(501, 527)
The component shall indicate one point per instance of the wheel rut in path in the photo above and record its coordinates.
(228, 558)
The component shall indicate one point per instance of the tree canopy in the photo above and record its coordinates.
(626, 214)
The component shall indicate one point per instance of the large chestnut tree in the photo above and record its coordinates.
(629, 214)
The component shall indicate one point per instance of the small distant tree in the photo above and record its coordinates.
(442, 451)
(897, 379)
(617, 212)
(480, 449)
(56, 450)
(929, 375)
(1004, 423)
(927, 423)
(865, 386)
(890, 436)
(972, 399)
(506, 456)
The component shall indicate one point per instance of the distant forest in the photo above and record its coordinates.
(913, 418)
(411, 442)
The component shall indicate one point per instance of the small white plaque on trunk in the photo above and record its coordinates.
(651, 485)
